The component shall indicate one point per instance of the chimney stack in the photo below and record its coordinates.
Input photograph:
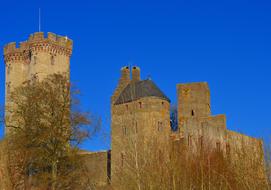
(135, 74)
(123, 82)
(125, 76)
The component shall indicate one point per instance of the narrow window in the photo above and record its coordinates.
(109, 166)
(218, 146)
(162, 103)
(228, 149)
(122, 159)
(136, 127)
(124, 130)
(189, 140)
(8, 68)
(52, 60)
(126, 107)
(35, 60)
(201, 142)
(160, 126)
(8, 87)
(140, 105)
(192, 113)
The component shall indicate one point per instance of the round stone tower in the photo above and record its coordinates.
(140, 112)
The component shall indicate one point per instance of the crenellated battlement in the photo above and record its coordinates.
(53, 43)
(62, 41)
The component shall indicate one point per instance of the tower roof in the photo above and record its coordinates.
(140, 89)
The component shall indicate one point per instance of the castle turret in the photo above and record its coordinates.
(125, 76)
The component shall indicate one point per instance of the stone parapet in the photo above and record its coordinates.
(53, 44)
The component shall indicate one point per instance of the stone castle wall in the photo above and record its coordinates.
(246, 154)
(198, 129)
(98, 167)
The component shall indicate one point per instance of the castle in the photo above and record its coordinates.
(136, 105)
(140, 106)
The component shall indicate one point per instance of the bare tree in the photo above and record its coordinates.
(160, 165)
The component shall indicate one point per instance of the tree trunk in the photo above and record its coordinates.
(54, 174)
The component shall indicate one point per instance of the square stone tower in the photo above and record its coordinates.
(36, 58)
(193, 100)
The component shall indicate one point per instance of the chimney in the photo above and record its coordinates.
(125, 76)
(123, 82)
(135, 74)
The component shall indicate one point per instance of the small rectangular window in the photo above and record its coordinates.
(8, 68)
(124, 130)
(160, 126)
(35, 60)
(52, 60)
(189, 140)
(136, 127)
(201, 142)
(8, 87)
(228, 149)
(122, 159)
(218, 147)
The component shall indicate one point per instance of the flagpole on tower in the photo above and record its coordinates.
(39, 20)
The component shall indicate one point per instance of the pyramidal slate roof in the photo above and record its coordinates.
(140, 89)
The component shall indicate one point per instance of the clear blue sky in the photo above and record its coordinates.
(226, 43)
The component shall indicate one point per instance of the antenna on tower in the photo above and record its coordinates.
(39, 20)
(130, 64)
